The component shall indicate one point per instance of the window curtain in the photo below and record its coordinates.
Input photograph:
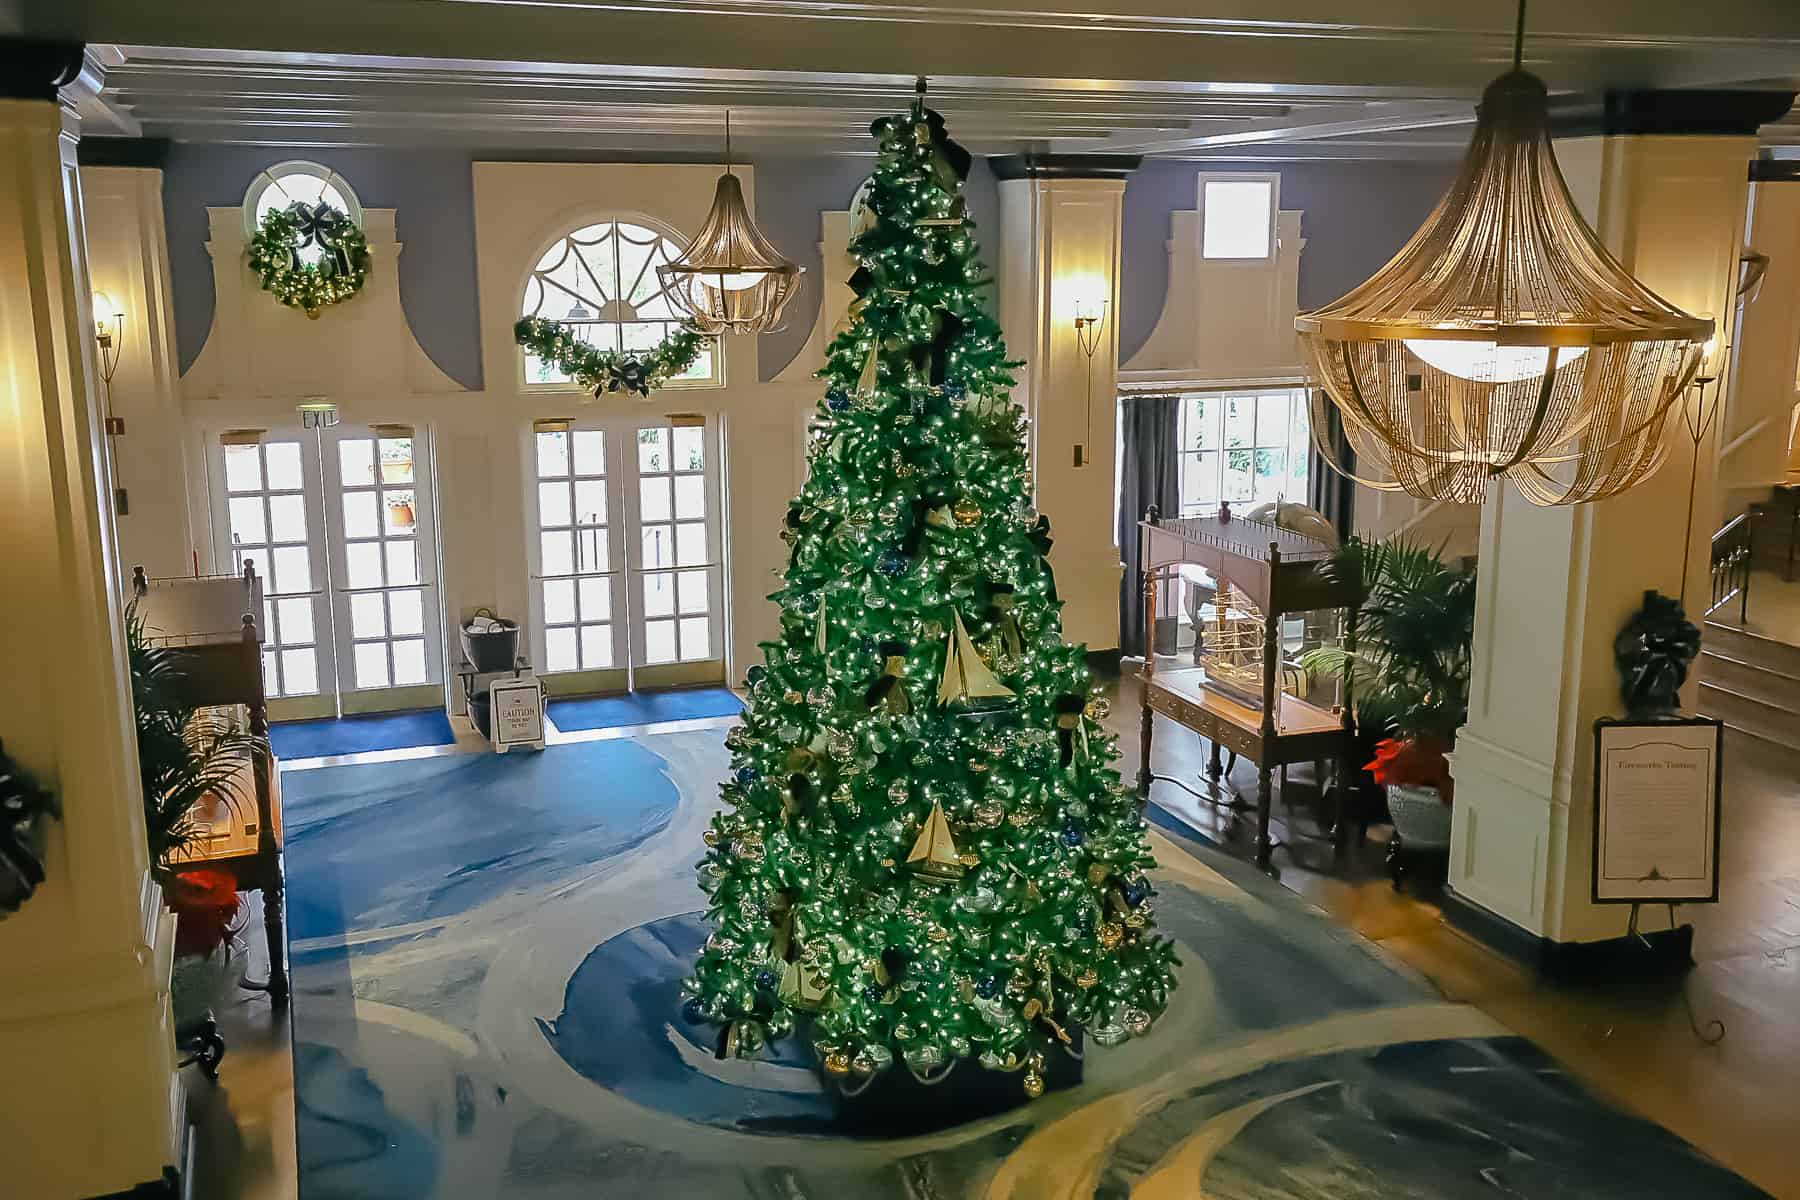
(1148, 474)
(1333, 494)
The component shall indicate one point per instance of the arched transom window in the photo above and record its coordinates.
(309, 182)
(601, 281)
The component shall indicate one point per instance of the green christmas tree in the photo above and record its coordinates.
(925, 849)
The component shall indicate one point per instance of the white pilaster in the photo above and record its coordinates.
(128, 260)
(93, 1105)
(1557, 584)
(1759, 411)
(1059, 248)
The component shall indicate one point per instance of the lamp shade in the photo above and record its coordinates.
(1503, 340)
(730, 279)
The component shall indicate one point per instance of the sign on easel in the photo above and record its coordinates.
(517, 713)
(1656, 811)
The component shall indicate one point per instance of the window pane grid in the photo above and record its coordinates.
(574, 550)
(1245, 448)
(379, 495)
(266, 517)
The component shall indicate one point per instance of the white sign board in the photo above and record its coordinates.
(517, 712)
(1656, 812)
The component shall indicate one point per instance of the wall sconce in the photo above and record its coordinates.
(109, 340)
(317, 414)
(1090, 321)
(1698, 418)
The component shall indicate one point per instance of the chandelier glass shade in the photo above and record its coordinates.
(1503, 340)
(731, 279)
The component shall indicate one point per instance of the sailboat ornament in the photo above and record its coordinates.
(934, 855)
(967, 681)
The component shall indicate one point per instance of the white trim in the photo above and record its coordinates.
(1180, 379)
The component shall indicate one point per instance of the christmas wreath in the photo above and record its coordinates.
(339, 271)
(638, 371)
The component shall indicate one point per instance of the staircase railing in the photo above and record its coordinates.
(1731, 566)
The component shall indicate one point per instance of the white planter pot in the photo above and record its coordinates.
(1421, 818)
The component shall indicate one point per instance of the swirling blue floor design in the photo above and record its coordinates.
(487, 952)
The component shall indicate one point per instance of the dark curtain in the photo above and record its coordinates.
(1148, 474)
(1328, 491)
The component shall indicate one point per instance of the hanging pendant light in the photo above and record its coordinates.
(1504, 340)
(731, 279)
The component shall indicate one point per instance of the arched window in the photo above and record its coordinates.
(285, 183)
(601, 281)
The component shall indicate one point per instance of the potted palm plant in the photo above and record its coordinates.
(1410, 676)
(186, 754)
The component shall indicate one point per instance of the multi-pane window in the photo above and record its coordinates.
(601, 282)
(575, 550)
(672, 531)
(291, 182)
(265, 486)
(381, 561)
(1246, 447)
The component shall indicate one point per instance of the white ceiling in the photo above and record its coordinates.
(1196, 78)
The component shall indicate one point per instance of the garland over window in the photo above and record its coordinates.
(309, 256)
(637, 371)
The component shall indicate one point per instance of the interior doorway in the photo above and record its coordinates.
(339, 522)
(626, 558)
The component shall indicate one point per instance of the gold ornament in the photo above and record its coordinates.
(1099, 708)
(934, 854)
(1110, 935)
(1097, 873)
(837, 1063)
(1033, 1083)
(966, 511)
(792, 697)
(1087, 979)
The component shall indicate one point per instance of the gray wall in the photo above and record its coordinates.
(1354, 216)
(433, 195)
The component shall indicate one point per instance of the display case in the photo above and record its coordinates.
(1262, 574)
(214, 625)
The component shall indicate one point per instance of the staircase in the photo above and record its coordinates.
(1775, 542)
(1752, 683)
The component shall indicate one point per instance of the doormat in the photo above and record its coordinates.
(359, 735)
(643, 708)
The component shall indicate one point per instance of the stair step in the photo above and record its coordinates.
(1731, 641)
(1751, 713)
(1751, 678)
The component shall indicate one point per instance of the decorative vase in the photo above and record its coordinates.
(1421, 830)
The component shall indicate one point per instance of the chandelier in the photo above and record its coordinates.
(1503, 340)
(731, 279)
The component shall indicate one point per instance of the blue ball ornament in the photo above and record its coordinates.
(1136, 890)
(747, 776)
(891, 563)
(988, 986)
(872, 993)
(765, 979)
(1072, 835)
(755, 674)
(837, 400)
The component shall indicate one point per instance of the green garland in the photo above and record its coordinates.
(338, 275)
(639, 371)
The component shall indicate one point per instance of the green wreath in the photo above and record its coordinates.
(338, 274)
(639, 371)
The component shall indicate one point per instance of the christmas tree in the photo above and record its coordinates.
(925, 849)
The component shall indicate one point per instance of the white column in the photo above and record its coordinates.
(128, 260)
(1556, 584)
(92, 1104)
(1759, 414)
(1059, 251)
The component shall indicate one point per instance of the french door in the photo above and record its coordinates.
(339, 522)
(627, 579)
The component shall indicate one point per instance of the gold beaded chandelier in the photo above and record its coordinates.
(1503, 340)
(731, 279)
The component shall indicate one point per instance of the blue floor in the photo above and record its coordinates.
(643, 708)
(358, 735)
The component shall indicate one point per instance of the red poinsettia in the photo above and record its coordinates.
(1413, 762)
(205, 904)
